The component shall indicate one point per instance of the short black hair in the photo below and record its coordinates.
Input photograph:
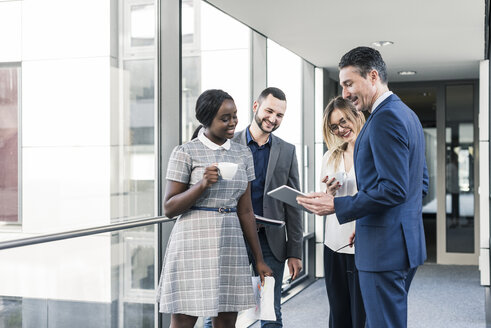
(365, 59)
(208, 104)
(275, 92)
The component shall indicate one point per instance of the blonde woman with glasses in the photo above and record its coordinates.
(341, 125)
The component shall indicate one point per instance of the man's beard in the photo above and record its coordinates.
(259, 123)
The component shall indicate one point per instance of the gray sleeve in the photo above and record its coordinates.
(249, 163)
(179, 168)
(293, 215)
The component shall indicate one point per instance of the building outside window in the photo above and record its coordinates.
(82, 122)
(9, 143)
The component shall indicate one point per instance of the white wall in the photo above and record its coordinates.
(484, 265)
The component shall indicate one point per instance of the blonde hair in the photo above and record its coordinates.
(333, 141)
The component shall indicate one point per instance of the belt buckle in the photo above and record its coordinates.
(222, 210)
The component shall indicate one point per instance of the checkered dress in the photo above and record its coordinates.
(206, 268)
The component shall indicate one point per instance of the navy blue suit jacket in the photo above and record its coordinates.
(392, 179)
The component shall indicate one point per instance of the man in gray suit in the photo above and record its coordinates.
(275, 164)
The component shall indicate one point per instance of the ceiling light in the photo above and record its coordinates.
(382, 43)
(407, 73)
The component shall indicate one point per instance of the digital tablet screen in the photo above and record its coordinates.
(287, 195)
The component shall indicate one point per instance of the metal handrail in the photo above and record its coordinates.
(82, 232)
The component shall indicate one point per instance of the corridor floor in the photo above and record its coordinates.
(446, 296)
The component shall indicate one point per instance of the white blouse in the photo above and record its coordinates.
(337, 235)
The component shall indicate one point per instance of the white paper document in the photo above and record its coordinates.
(264, 296)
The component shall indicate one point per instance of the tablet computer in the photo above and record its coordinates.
(287, 195)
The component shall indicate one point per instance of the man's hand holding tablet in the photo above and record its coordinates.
(287, 195)
(319, 203)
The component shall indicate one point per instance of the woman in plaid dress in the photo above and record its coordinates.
(206, 268)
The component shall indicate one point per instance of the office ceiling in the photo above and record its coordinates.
(439, 39)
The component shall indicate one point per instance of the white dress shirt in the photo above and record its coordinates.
(379, 100)
(337, 235)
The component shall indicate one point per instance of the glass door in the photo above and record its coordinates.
(447, 112)
(457, 225)
(423, 101)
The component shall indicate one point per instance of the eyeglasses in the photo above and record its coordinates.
(334, 128)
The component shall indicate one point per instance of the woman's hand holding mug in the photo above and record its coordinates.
(210, 176)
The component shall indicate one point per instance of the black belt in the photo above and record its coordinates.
(215, 209)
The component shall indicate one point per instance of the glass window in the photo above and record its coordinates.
(9, 143)
(104, 280)
(142, 25)
(285, 72)
(134, 155)
(88, 159)
(190, 21)
(459, 168)
(133, 252)
(213, 57)
(88, 149)
(139, 26)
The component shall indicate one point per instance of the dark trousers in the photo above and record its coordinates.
(385, 297)
(278, 270)
(343, 290)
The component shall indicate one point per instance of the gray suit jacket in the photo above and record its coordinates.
(286, 241)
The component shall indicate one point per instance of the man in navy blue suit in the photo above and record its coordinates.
(392, 179)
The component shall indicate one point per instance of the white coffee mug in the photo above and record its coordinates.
(227, 170)
(340, 177)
